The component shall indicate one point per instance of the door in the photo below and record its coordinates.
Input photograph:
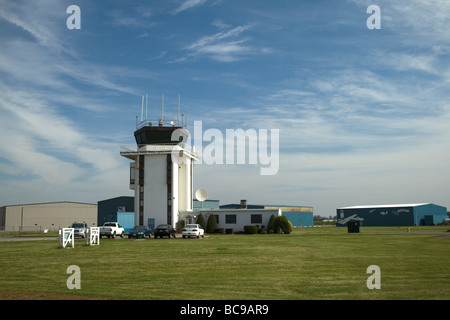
(151, 224)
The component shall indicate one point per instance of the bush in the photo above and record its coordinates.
(218, 230)
(201, 221)
(271, 224)
(251, 229)
(179, 226)
(282, 224)
(211, 225)
(229, 230)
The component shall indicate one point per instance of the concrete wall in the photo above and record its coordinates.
(155, 189)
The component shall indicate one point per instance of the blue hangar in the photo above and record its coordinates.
(419, 214)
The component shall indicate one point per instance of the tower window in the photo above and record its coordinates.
(132, 175)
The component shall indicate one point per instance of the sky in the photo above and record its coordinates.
(363, 113)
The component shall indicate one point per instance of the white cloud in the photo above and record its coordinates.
(140, 18)
(188, 4)
(222, 48)
(47, 153)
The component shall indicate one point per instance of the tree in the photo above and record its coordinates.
(212, 224)
(179, 226)
(270, 225)
(282, 224)
(201, 220)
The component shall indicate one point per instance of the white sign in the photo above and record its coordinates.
(66, 237)
(94, 236)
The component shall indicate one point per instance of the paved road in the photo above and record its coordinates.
(6, 239)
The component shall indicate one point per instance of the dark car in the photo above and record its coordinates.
(164, 230)
(140, 232)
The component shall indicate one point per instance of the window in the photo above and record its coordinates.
(256, 218)
(132, 175)
(217, 218)
(230, 219)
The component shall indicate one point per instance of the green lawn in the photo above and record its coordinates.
(310, 263)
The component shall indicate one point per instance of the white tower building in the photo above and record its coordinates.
(161, 173)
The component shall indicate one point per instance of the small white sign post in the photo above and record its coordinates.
(66, 237)
(94, 236)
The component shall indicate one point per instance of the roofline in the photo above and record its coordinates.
(50, 202)
(268, 205)
(386, 206)
(234, 210)
(113, 198)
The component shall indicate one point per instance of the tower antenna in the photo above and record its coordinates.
(178, 119)
(162, 107)
(146, 106)
(142, 109)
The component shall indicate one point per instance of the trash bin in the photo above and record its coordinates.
(353, 226)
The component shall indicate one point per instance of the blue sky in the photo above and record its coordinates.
(363, 114)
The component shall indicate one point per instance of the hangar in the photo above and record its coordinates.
(119, 209)
(50, 215)
(417, 214)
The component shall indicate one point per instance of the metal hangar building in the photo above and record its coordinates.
(418, 214)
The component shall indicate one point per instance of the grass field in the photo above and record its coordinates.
(310, 263)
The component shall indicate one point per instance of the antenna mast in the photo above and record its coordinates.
(142, 109)
(178, 119)
(146, 105)
(162, 107)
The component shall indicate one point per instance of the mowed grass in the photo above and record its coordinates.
(310, 263)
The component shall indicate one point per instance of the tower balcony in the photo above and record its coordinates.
(133, 150)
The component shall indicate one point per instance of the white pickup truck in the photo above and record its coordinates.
(111, 229)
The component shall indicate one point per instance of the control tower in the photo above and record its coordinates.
(161, 171)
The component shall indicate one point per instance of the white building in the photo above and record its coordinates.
(161, 173)
(236, 219)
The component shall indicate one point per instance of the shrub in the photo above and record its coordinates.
(271, 224)
(179, 226)
(229, 230)
(218, 230)
(201, 221)
(212, 224)
(282, 224)
(251, 229)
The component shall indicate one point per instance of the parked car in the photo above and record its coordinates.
(164, 230)
(81, 229)
(139, 232)
(193, 230)
(111, 229)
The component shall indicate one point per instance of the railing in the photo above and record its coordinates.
(166, 148)
(160, 122)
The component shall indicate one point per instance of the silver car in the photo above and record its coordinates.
(80, 229)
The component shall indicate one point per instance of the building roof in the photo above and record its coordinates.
(45, 203)
(264, 205)
(386, 206)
